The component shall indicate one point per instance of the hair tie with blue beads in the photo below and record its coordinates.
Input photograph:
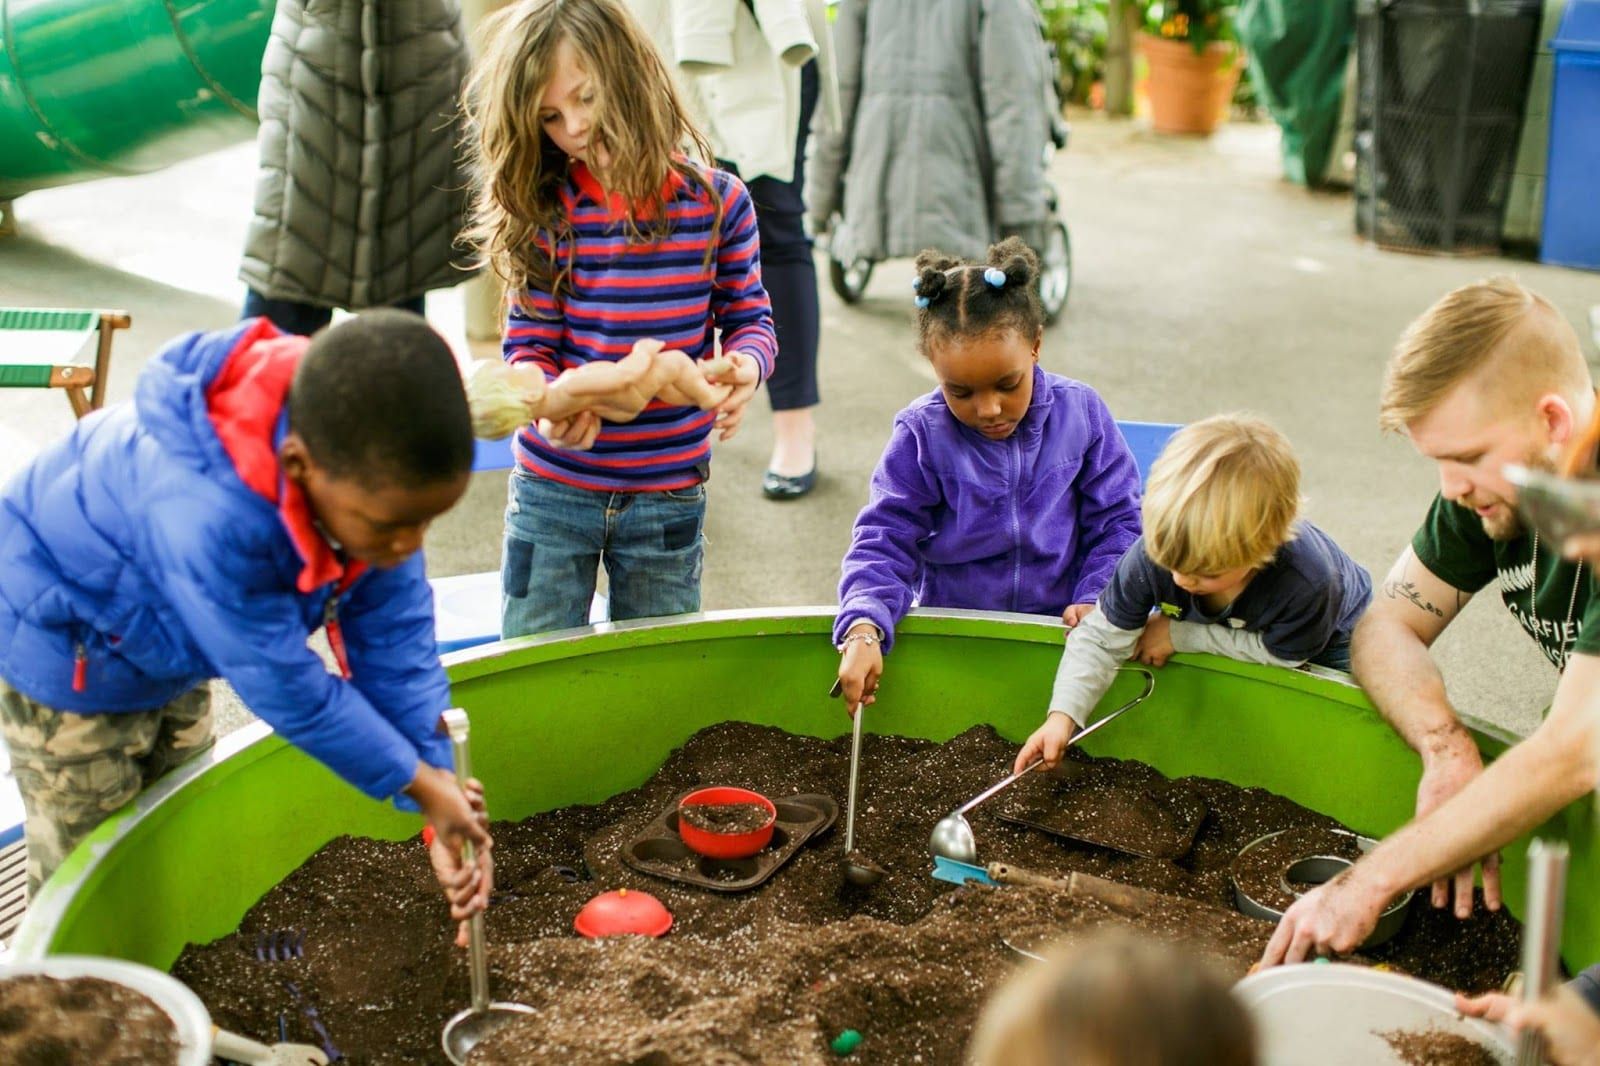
(995, 277)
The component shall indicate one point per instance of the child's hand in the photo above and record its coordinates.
(1155, 643)
(576, 433)
(457, 815)
(1048, 742)
(745, 377)
(1076, 613)
(860, 667)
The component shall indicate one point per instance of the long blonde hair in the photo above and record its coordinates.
(518, 224)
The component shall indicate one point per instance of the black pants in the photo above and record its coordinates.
(787, 268)
(291, 316)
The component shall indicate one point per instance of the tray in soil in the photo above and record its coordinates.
(1094, 803)
(660, 852)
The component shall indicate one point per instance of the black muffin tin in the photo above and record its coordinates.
(660, 852)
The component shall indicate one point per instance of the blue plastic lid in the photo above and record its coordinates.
(1580, 28)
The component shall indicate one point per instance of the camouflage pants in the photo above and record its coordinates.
(75, 769)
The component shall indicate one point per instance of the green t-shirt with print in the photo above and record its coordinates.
(1556, 603)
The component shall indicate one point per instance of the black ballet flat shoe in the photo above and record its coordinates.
(783, 487)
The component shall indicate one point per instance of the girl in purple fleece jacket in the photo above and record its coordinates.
(1008, 489)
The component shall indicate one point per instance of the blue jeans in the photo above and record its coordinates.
(292, 316)
(652, 544)
(1335, 656)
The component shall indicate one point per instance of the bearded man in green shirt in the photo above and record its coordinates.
(1490, 375)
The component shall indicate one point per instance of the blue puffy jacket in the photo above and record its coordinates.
(136, 561)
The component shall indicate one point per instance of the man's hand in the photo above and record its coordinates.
(745, 376)
(1570, 1029)
(860, 668)
(1450, 761)
(1048, 742)
(1332, 919)
(457, 815)
(1155, 643)
(1075, 614)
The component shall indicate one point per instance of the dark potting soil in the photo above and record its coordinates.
(49, 1022)
(769, 975)
(1433, 1047)
(725, 817)
(1128, 807)
(1260, 874)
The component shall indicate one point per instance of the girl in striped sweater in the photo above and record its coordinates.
(608, 236)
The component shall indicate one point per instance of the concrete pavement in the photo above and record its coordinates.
(1203, 284)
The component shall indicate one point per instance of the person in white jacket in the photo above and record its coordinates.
(753, 74)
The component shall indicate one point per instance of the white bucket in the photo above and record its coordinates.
(189, 1016)
(1334, 1014)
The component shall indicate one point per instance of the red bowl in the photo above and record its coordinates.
(726, 845)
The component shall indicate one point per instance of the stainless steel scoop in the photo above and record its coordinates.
(1558, 507)
(952, 838)
(858, 869)
(1541, 934)
(478, 1022)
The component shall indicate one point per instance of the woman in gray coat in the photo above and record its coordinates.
(361, 191)
(945, 125)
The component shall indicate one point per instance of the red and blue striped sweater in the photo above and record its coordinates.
(623, 292)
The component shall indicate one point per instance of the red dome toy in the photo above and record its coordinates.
(715, 845)
(620, 912)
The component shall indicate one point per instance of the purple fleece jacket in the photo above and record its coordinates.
(1033, 523)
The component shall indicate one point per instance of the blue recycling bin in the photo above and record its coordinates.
(1572, 182)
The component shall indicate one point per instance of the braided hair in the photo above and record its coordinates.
(960, 298)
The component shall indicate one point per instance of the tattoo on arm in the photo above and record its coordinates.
(1407, 590)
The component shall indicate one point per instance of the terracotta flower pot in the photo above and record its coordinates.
(1189, 92)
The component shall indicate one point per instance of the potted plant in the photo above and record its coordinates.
(1194, 63)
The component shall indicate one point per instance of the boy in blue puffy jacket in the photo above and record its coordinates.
(258, 487)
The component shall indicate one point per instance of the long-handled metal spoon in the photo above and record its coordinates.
(1541, 934)
(472, 1026)
(952, 837)
(858, 869)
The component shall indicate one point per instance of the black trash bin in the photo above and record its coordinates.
(1442, 84)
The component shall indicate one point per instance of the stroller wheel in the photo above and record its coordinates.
(850, 282)
(1055, 273)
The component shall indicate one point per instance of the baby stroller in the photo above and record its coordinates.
(849, 279)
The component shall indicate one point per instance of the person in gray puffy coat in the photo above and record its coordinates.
(361, 192)
(944, 131)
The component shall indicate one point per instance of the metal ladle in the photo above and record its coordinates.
(858, 869)
(1541, 935)
(478, 1022)
(952, 838)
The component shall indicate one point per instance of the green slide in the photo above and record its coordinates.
(98, 88)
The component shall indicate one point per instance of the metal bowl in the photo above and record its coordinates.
(1317, 869)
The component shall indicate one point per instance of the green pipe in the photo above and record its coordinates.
(97, 88)
(578, 717)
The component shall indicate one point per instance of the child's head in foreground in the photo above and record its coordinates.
(980, 325)
(1114, 1000)
(379, 435)
(1222, 498)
